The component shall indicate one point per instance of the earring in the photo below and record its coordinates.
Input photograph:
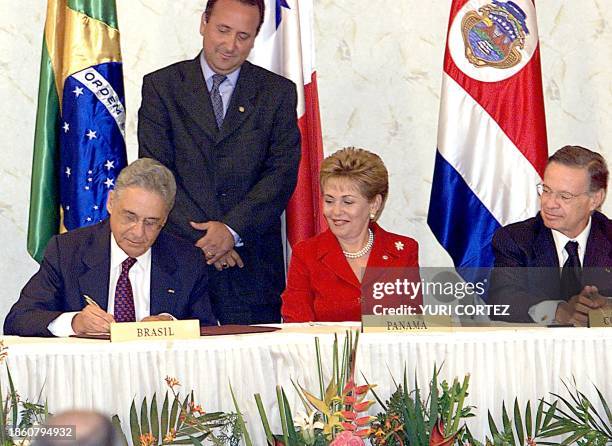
(372, 215)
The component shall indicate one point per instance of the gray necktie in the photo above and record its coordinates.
(215, 97)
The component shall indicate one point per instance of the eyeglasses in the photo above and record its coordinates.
(131, 219)
(566, 197)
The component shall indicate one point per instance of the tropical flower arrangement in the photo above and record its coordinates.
(340, 414)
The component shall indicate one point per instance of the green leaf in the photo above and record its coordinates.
(433, 400)
(13, 396)
(154, 418)
(579, 415)
(506, 420)
(605, 405)
(528, 421)
(299, 393)
(577, 436)
(492, 426)
(134, 424)
(539, 415)
(173, 421)
(195, 442)
(144, 418)
(264, 419)
(320, 371)
(240, 420)
(116, 422)
(518, 423)
(293, 436)
(549, 415)
(559, 431)
(283, 415)
(165, 427)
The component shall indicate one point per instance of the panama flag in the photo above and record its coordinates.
(285, 45)
(492, 145)
(79, 142)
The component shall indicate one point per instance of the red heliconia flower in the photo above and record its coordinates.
(348, 426)
(350, 385)
(360, 390)
(360, 407)
(348, 415)
(363, 433)
(362, 421)
(349, 400)
(437, 436)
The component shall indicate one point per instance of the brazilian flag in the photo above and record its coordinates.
(79, 143)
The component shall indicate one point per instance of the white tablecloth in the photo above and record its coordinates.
(527, 363)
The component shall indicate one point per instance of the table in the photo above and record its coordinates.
(503, 363)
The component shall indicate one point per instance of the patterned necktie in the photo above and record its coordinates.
(124, 298)
(571, 272)
(215, 97)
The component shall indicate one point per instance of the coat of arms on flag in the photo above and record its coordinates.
(494, 34)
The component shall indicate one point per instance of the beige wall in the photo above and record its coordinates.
(379, 67)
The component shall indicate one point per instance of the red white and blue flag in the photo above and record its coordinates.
(285, 45)
(492, 146)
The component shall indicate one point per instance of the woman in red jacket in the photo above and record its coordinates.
(326, 271)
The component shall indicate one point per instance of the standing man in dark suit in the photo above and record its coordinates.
(120, 270)
(228, 131)
(567, 247)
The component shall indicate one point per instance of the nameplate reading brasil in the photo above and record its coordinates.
(156, 330)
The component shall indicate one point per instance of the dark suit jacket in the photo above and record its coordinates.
(242, 174)
(78, 263)
(321, 285)
(530, 244)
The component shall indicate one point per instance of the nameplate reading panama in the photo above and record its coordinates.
(136, 331)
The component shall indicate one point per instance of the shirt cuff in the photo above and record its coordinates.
(61, 326)
(237, 240)
(544, 312)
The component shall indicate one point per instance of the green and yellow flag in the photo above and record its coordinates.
(79, 143)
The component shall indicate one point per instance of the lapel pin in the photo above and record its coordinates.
(170, 291)
(399, 246)
(241, 109)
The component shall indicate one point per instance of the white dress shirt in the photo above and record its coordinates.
(544, 312)
(140, 278)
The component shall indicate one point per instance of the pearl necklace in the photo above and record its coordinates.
(363, 251)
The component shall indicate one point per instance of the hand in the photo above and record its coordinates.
(229, 260)
(158, 317)
(92, 319)
(217, 241)
(576, 310)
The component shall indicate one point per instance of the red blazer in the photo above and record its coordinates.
(321, 285)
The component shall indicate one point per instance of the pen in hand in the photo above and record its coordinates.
(90, 301)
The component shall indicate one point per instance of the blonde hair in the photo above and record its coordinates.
(360, 166)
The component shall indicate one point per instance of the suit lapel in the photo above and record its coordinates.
(599, 248)
(93, 281)
(241, 103)
(330, 254)
(546, 258)
(197, 99)
(164, 292)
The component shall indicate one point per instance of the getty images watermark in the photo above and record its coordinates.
(413, 297)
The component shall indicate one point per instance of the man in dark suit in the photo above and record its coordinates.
(566, 248)
(228, 131)
(120, 270)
